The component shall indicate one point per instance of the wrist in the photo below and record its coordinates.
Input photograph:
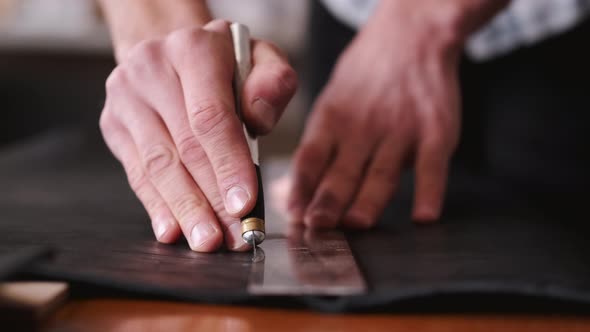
(132, 21)
(443, 24)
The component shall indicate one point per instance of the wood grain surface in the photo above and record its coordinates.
(145, 316)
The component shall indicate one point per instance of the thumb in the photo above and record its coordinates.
(268, 89)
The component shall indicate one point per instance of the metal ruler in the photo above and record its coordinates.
(322, 265)
(302, 261)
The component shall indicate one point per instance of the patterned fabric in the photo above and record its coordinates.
(523, 22)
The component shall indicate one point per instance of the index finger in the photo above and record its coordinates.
(206, 76)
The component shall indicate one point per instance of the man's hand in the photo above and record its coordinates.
(392, 101)
(169, 118)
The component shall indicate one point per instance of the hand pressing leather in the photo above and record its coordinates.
(169, 118)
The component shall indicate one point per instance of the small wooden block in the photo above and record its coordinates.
(25, 304)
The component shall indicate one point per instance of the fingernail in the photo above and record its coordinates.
(266, 111)
(201, 233)
(235, 234)
(236, 199)
(161, 226)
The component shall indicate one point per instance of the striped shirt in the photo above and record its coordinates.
(522, 23)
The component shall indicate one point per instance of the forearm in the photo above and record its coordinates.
(131, 21)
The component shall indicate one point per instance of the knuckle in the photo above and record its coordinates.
(136, 178)
(306, 157)
(217, 26)
(207, 118)
(190, 43)
(437, 134)
(303, 185)
(182, 39)
(219, 208)
(105, 123)
(227, 168)
(433, 139)
(158, 159)
(117, 80)
(154, 206)
(286, 76)
(308, 154)
(187, 206)
(304, 181)
(190, 151)
(111, 132)
(147, 51)
(143, 60)
(327, 198)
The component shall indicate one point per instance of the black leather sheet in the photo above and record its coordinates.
(13, 262)
(64, 191)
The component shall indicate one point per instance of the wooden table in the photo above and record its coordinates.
(135, 315)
